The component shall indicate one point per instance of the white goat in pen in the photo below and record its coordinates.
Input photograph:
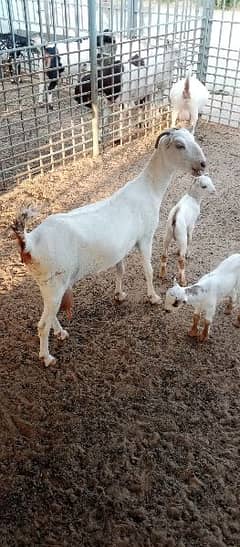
(188, 98)
(181, 222)
(214, 287)
(69, 246)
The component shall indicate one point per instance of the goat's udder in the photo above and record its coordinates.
(67, 303)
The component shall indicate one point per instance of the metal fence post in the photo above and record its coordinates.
(47, 20)
(132, 18)
(92, 29)
(205, 39)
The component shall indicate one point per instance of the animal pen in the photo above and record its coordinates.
(167, 37)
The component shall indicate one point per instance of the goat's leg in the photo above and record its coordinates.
(207, 324)
(52, 300)
(10, 66)
(189, 240)
(61, 333)
(50, 89)
(18, 68)
(194, 328)
(119, 294)
(164, 257)
(181, 269)
(205, 331)
(145, 248)
(41, 85)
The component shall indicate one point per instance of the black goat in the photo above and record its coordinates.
(109, 78)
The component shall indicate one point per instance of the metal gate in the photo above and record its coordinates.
(151, 44)
(222, 71)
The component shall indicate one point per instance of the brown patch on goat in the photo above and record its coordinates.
(67, 303)
(181, 267)
(186, 89)
(18, 226)
(204, 334)
(163, 266)
(194, 328)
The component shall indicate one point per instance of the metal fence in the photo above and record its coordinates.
(131, 71)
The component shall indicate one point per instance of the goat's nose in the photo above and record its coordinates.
(203, 164)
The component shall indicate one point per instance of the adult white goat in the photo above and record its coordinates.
(188, 98)
(181, 222)
(207, 293)
(69, 246)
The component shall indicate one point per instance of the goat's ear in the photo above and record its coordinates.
(167, 138)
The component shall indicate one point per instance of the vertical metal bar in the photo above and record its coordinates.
(47, 20)
(77, 19)
(205, 39)
(93, 59)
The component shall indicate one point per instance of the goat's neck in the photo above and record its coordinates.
(158, 173)
(193, 294)
(195, 193)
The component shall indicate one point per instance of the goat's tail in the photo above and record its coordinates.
(186, 89)
(18, 227)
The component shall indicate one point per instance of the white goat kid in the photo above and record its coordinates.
(181, 223)
(188, 98)
(69, 246)
(214, 287)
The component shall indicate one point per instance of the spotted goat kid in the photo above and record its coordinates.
(205, 295)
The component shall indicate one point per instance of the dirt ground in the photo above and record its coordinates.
(132, 438)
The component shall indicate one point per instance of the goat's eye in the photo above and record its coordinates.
(180, 145)
(204, 185)
(175, 304)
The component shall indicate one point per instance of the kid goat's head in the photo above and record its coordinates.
(181, 150)
(175, 298)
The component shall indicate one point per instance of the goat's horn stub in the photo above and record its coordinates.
(167, 133)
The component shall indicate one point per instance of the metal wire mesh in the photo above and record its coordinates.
(223, 68)
(154, 43)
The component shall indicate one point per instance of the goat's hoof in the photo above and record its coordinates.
(202, 337)
(183, 282)
(50, 360)
(41, 104)
(193, 333)
(236, 323)
(155, 299)
(228, 310)
(62, 334)
(120, 296)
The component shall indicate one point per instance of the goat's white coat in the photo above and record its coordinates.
(69, 246)
(221, 283)
(185, 214)
(188, 109)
